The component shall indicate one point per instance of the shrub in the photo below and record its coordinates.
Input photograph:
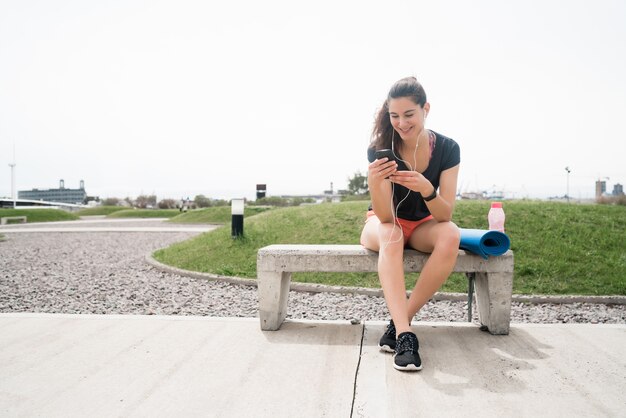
(612, 200)
(167, 204)
(202, 201)
(110, 201)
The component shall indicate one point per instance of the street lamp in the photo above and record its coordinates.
(236, 210)
(12, 165)
(567, 194)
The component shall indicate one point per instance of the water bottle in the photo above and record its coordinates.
(496, 217)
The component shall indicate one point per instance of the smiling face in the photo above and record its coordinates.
(407, 117)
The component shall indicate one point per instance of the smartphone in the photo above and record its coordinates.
(381, 153)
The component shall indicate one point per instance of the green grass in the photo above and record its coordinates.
(215, 215)
(559, 248)
(144, 213)
(217, 252)
(40, 215)
(100, 210)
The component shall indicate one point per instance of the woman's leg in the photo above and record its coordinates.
(387, 239)
(441, 239)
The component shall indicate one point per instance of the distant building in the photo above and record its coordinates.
(62, 195)
(600, 188)
(474, 195)
(618, 190)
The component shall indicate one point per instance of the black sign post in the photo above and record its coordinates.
(237, 207)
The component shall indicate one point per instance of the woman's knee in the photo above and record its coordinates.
(391, 239)
(448, 237)
(382, 236)
(369, 237)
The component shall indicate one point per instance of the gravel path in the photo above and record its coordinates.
(105, 273)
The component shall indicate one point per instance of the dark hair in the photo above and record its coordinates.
(383, 131)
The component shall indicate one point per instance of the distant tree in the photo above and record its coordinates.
(111, 201)
(88, 199)
(144, 201)
(281, 201)
(167, 204)
(297, 201)
(357, 184)
(141, 201)
(202, 201)
(272, 201)
(220, 202)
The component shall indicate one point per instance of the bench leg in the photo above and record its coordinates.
(273, 296)
(493, 296)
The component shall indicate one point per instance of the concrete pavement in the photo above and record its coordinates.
(123, 365)
(100, 224)
(108, 229)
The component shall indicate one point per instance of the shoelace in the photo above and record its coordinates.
(406, 343)
(391, 329)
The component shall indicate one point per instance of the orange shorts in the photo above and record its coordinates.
(407, 226)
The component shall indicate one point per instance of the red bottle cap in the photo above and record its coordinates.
(496, 204)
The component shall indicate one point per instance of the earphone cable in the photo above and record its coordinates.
(395, 210)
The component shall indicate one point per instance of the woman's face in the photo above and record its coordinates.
(407, 118)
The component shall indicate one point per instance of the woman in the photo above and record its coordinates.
(407, 210)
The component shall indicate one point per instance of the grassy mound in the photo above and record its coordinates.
(40, 215)
(559, 248)
(100, 210)
(214, 215)
(144, 213)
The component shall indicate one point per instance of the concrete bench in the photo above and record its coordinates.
(5, 219)
(275, 263)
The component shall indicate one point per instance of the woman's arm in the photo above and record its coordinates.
(380, 188)
(442, 206)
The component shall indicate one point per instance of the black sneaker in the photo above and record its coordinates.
(388, 340)
(406, 357)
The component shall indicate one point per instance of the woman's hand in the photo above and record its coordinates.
(412, 180)
(381, 169)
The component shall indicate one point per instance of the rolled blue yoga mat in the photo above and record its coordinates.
(483, 242)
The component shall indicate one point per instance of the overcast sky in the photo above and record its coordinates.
(179, 98)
